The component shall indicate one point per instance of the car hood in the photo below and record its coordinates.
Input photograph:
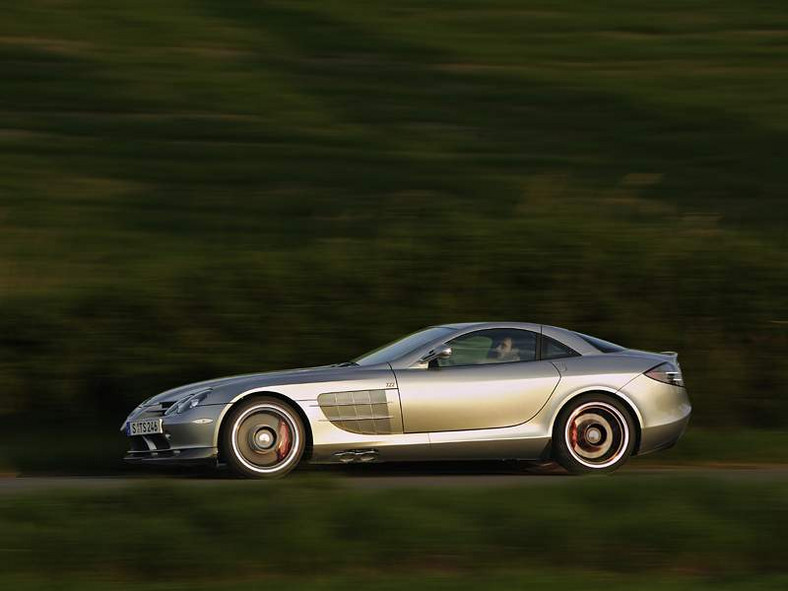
(255, 380)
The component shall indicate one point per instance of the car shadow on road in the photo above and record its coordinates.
(454, 468)
(387, 470)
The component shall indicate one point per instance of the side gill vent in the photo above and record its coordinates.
(364, 411)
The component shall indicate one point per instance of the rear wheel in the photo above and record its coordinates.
(264, 438)
(594, 434)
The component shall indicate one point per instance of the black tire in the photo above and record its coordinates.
(263, 437)
(594, 434)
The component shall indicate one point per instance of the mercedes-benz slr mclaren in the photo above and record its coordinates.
(492, 390)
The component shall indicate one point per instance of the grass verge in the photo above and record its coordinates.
(310, 527)
(438, 582)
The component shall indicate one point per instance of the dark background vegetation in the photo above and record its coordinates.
(196, 188)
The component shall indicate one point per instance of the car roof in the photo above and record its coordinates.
(490, 324)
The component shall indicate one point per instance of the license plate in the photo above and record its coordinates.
(144, 427)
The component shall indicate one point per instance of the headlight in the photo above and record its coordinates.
(667, 373)
(188, 402)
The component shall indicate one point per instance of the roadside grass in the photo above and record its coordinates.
(397, 581)
(313, 527)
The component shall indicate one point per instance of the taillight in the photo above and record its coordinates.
(667, 373)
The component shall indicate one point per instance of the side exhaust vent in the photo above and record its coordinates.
(356, 455)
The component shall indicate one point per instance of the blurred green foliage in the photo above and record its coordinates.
(204, 187)
(501, 581)
(710, 527)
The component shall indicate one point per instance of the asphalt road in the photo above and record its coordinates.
(424, 475)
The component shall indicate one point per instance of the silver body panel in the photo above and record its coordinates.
(474, 397)
(406, 410)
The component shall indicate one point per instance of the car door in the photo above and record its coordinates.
(492, 379)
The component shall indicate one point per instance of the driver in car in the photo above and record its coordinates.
(506, 351)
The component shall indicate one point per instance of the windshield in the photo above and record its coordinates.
(398, 348)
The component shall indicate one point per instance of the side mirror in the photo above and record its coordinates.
(440, 352)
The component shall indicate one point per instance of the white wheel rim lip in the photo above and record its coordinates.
(294, 430)
(624, 430)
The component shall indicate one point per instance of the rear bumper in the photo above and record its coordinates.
(664, 411)
(662, 436)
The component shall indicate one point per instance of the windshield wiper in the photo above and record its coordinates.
(346, 364)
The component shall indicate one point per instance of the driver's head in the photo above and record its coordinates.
(503, 348)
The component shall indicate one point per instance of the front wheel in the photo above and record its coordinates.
(594, 434)
(264, 438)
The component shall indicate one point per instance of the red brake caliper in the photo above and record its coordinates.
(573, 434)
(284, 441)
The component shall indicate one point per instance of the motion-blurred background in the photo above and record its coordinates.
(195, 188)
(198, 188)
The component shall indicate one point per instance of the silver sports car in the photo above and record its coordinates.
(492, 390)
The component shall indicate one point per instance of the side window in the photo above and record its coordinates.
(499, 345)
(552, 349)
(472, 349)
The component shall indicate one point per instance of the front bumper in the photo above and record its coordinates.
(188, 438)
(195, 455)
